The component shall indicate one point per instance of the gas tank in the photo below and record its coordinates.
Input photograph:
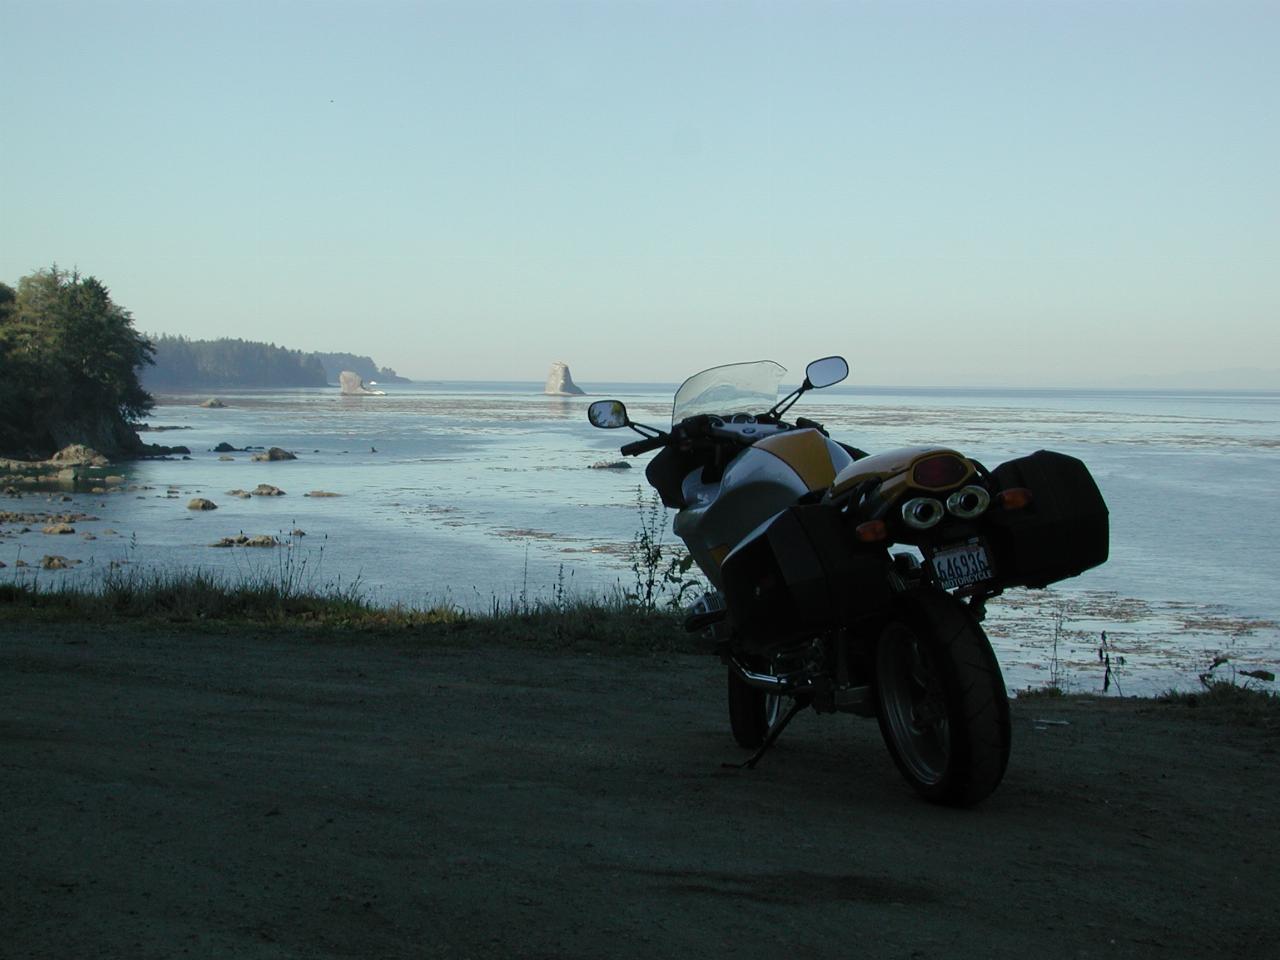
(761, 481)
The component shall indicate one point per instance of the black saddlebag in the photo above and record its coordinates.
(1063, 532)
(801, 575)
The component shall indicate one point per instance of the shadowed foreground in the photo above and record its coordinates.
(179, 792)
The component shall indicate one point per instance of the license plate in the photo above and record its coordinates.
(961, 565)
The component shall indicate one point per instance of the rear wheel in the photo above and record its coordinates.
(942, 705)
(751, 711)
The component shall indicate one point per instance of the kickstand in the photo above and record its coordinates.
(774, 732)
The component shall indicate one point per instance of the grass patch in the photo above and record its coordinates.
(1229, 702)
(1048, 692)
(181, 597)
(159, 599)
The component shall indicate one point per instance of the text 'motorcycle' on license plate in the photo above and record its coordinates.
(961, 565)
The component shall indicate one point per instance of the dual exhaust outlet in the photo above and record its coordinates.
(922, 513)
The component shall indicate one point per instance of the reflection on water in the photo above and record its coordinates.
(460, 493)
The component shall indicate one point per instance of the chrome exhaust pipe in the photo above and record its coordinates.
(921, 513)
(969, 502)
(765, 681)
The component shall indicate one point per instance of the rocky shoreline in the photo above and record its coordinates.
(75, 467)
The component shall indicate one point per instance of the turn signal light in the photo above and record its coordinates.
(1015, 498)
(873, 531)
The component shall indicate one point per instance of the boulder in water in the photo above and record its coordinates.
(80, 455)
(275, 453)
(560, 383)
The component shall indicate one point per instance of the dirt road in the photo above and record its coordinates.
(215, 794)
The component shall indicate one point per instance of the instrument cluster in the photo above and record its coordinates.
(745, 426)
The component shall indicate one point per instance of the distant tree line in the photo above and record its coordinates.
(69, 362)
(183, 364)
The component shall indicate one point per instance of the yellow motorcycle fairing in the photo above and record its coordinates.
(807, 453)
(763, 479)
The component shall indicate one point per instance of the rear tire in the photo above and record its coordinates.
(941, 700)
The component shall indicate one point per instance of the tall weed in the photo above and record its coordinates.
(661, 572)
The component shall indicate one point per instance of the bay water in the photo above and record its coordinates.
(471, 494)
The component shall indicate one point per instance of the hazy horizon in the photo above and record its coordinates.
(988, 192)
(1239, 380)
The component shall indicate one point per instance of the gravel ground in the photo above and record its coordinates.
(208, 793)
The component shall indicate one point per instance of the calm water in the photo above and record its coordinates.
(462, 493)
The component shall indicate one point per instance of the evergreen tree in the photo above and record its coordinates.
(70, 357)
(11, 373)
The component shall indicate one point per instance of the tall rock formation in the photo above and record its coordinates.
(353, 386)
(560, 383)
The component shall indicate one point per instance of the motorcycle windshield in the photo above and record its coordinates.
(734, 388)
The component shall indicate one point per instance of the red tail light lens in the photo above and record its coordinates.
(936, 472)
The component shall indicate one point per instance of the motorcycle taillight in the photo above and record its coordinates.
(936, 472)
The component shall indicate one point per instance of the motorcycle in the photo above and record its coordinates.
(857, 583)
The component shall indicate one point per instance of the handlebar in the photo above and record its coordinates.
(704, 431)
(643, 446)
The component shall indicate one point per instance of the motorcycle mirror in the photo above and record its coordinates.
(826, 372)
(608, 414)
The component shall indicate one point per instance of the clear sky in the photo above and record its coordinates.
(1023, 193)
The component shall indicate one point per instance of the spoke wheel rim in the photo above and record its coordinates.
(914, 705)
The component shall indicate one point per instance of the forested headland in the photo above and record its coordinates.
(74, 370)
(69, 362)
(183, 364)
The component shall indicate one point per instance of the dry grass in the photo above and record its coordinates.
(164, 598)
(1229, 702)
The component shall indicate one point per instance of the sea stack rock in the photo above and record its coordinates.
(353, 386)
(560, 383)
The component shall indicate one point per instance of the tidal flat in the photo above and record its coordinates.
(467, 495)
